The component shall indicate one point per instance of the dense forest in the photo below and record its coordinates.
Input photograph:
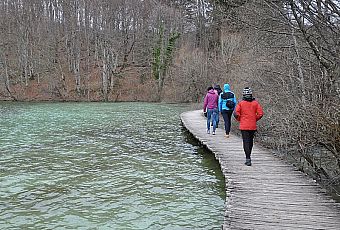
(288, 51)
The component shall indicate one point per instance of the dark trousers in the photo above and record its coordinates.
(226, 114)
(248, 141)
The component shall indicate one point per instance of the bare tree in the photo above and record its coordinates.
(290, 55)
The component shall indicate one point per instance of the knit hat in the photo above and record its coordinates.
(247, 94)
(247, 91)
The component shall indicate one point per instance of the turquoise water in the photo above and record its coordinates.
(104, 166)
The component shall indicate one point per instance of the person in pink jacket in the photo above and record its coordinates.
(211, 107)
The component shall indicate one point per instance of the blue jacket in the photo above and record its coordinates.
(222, 102)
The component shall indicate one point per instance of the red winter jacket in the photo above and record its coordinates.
(248, 113)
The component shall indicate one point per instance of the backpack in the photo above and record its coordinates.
(230, 104)
(228, 96)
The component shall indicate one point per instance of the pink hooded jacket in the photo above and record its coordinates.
(210, 100)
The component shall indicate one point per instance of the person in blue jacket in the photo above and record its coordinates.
(226, 105)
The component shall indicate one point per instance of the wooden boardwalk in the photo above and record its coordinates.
(268, 195)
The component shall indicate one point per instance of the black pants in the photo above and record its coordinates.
(226, 114)
(248, 141)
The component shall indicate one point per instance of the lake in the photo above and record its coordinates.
(105, 166)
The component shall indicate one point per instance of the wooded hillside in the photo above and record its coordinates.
(288, 51)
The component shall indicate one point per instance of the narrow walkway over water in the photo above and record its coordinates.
(268, 195)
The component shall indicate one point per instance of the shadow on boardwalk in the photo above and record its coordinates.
(268, 195)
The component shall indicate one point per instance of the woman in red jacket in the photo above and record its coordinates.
(248, 112)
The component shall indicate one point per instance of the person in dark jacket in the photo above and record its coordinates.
(226, 111)
(248, 112)
(210, 106)
(218, 90)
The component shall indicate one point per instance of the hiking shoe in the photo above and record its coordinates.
(208, 131)
(213, 133)
(248, 162)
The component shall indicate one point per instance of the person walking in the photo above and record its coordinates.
(210, 106)
(226, 105)
(218, 91)
(248, 112)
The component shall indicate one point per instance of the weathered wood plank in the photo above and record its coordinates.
(268, 195)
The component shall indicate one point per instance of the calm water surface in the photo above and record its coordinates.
(104, 166)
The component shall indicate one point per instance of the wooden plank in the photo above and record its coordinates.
(268, 195)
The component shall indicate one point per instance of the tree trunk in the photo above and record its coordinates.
(300, 71)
